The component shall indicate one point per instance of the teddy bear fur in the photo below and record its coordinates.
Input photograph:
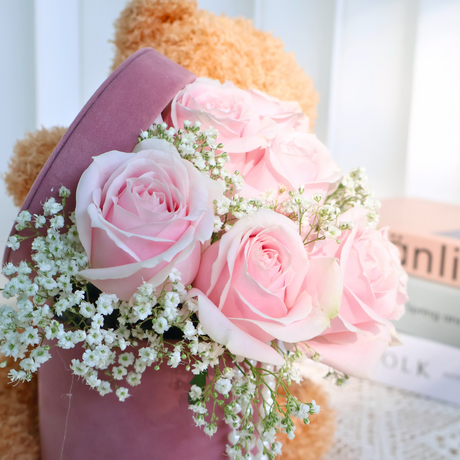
(212, 46)
(20, 438)
(29, 156)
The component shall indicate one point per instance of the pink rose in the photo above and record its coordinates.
(292, 159)
(246, 120)
(141, 214)
(223, 106)
(374, 292)
(286, 114)
(260, 286)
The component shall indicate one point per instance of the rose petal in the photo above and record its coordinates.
(94, 179)
(356, 354)
(223, 331)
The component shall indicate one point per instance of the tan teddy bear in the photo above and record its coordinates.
(212, 46)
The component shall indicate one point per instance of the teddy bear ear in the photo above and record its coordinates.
(127, 103)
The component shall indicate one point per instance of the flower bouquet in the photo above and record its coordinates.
(186, 245)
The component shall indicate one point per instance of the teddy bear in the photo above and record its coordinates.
(210, 46)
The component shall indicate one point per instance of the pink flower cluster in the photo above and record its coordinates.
(267, 139)
(141, 214)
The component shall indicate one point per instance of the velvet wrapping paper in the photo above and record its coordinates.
(153, 423)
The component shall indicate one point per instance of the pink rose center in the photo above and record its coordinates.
(147, 193)
(268, 258)
(264, 259)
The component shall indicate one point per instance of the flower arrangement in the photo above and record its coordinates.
(228, 242)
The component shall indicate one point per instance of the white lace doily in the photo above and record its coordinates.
(378, 422)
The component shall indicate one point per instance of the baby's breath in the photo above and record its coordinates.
(354, 192)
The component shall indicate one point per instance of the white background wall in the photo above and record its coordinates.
(388, 72)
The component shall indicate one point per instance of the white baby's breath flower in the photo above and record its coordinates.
(195, 392)
(160, 325)
(133, 379)
(217, 224)
(51, 207)
(303, 412)
(109, 337)
(122, 394)
(17, 376)
(39, 221)
(123, 344)
(223, 206)
(192, 305)
(189, 330)
(174, 359)
(94, 337)
(78, 336)
(294, 374)
(119, 372)
(98, 321)
(9, 269)
(210, 429)
(23, 218)
(172, 299)
(29, 365)
(13, 243)
(54, 330)
(314, 407)
(105, 356)
(175, 275)
(40, 355)
(30, 336)
(126, 359)
(105, 303)
(90, 358)
(147, 355)
(104, 388)
(146, 289)
(198, 408)
(140, 366)
(64, 192)
(223, 386)
(57, 222)
(142, 311)
(80, 369)
(331, 232)
(199, 367)
(93, 381)
(66, 341)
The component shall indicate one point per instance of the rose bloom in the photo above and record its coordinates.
(222, 106)
(292, 159)
(141, 214)
(244, 119)
(257, 284)
(374, 292)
